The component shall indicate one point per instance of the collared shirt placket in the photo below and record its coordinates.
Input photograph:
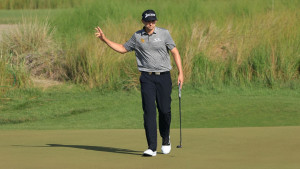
(148, 36)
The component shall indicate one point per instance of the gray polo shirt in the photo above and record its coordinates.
(152, 51)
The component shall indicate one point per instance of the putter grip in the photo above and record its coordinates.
(179, 91)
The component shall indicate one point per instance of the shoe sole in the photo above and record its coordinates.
(149, 155)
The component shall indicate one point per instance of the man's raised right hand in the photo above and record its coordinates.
(99, 34)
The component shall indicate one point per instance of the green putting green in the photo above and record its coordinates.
(207, 148)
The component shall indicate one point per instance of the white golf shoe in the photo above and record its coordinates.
(149, 152)
(166, 147)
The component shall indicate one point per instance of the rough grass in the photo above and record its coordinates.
(30, 47)
(72, 107)
(38, 4)
(236, 54)
(239, 43)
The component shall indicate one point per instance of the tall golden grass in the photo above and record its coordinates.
(249, 45)
(261, 49)
(38, 4)
(30, 47)
(234, 44)
(91, 62)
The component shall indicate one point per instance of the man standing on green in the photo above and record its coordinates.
(152, 45)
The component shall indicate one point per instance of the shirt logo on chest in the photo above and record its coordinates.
(142, 40)
(156, 40)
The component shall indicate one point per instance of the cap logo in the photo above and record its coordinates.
(149, 14)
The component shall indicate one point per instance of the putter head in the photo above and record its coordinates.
(179, 146)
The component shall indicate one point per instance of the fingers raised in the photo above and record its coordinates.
(99, 33)
(99, 29)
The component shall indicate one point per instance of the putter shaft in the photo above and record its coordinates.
(179, 95)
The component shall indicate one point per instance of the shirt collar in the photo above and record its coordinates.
(145, 33)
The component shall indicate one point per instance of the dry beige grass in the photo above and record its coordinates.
(31, 44)
(45, 83)
(4, 28)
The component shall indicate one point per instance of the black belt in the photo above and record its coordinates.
(156, 73)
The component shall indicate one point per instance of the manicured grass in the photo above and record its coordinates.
(75, 108)
(230, 148)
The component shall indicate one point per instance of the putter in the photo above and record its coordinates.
(179, 95)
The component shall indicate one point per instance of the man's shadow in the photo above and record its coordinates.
(99, 148)
(93, 148)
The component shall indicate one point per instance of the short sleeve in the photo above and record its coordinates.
(130, 44)
(169, 41)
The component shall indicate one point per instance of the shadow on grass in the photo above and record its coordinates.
(100, 148)
(94, 148)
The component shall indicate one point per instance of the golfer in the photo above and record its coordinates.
(152, 45)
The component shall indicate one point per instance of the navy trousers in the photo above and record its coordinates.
(156, 92)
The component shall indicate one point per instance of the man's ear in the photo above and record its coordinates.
(143, 21)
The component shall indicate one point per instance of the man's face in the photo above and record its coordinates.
(149, 25)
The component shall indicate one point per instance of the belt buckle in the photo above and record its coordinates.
(156, 73)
